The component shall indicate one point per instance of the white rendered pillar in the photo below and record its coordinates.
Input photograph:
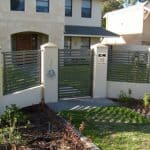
(100, 71)
(50, 72)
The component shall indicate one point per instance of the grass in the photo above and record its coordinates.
(113, 128)
(76, 76)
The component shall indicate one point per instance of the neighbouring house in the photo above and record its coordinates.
(27, 24)
(132, 23)
(83, 23)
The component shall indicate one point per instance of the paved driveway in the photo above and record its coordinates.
(80, 104)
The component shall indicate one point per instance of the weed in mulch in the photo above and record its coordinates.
(48, 131)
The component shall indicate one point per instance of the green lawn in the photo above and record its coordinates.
(77, 77)
(113, 128)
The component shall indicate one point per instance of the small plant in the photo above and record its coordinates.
(9, 124)
(11, 114)
(146, 99)
(123, 97)
(82, 127)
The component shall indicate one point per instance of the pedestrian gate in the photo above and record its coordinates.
(75, 73)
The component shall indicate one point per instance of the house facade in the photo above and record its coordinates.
(83, 23)
(132, 23)
(27, 24)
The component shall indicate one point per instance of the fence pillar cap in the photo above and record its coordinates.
(98, 45)
(49, 44)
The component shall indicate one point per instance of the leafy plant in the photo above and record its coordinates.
(13, 114)
(9, 124)
(123, 97)
(146, 99)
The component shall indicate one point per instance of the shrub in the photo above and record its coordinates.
(123, 97)
(11, 114)
(146, 99)
(9, 124)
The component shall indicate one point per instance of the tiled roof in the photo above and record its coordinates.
(88, 31)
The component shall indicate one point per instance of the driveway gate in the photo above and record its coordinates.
(75, 73)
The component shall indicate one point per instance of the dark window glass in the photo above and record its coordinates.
(85, 43)
(67, 43)
(42, 5)
(68, 7)
(86, 8)
(17, 5)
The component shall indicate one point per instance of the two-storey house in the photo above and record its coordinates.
(83, 23)
(132, 23)
(26, 24)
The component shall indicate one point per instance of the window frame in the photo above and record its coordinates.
(89, 43)
(70, 41)
(38, 11)
(12, 9)
(70, 15)
(83, 7)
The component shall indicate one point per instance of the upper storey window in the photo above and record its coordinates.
(68, 7)
(42, 5)
(86, 8)
(17, 5)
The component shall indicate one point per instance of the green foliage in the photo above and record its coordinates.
(146, 99)
(110, 5)
(116, 128)
(9, 135)
(123, 97)
(9, 123)
(12, 113)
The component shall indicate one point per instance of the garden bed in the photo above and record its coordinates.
(48, 131)
(136, 105)
(45, 130)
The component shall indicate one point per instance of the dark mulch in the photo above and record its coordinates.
(46, 131)
(136, 105)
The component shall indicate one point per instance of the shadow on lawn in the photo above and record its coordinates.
(109, 120)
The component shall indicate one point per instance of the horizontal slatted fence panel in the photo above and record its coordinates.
(129, 66)
(75, 73)
(22, 70)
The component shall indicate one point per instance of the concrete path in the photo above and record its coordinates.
(80, 104)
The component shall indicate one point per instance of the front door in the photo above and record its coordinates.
(26, 42)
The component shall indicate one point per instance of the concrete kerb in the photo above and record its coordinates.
(86, 142)
(82, 103)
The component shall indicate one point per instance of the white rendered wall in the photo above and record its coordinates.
(138, 89)
(126, 21)
(51, 23)
(50, 72)
(100, 71)
(76, 18)
(1, 79)
(22, 98)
